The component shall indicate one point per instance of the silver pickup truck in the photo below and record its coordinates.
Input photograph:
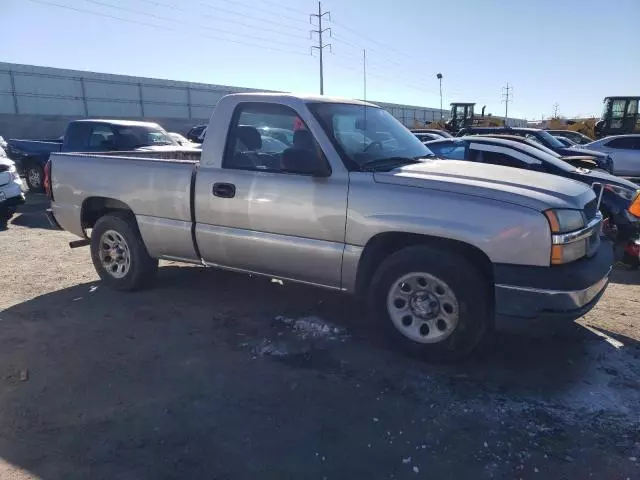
(348, 200)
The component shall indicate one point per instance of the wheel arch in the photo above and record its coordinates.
(385, 244)
(95, 207)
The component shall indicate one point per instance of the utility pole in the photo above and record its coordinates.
(364, 72)
(555, 110)
(507, 96)
(321, 46)
(439, 77)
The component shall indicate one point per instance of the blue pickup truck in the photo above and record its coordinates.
(86, 136)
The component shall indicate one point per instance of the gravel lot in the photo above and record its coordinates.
(217, 375)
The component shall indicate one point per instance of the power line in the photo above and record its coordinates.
(184, 22)
(259, 9)
(245, 15)
(165, 28)
(321, 46)
(237, 22)
(353, 32)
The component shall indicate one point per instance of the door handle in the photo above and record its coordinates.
(224, 190)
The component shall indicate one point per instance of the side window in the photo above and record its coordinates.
(623, 143)
(101, 138)
(76, 137)
(496, 158)
(250, 148)
(454, 151)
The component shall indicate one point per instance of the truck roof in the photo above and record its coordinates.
(112, 121)
(304, 97)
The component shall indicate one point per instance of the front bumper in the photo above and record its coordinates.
(562, 292)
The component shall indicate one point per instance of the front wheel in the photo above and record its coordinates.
(431, 302)
(35, 178)
(119, 254)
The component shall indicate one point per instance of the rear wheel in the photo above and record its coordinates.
(431, 302)
(6, 213)
(35, 178)
(119, 254)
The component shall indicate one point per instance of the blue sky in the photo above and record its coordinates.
(570, 52)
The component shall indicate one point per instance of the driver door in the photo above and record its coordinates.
(259, 214)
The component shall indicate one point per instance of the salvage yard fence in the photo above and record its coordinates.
(33, 90)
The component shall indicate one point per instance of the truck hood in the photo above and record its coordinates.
(538, 191)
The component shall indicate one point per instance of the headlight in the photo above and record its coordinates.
(634, 209)
(623, 192)
(563, 221)
(13, 171)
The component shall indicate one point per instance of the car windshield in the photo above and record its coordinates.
(134, 136)
(368, 135)
(549, 140)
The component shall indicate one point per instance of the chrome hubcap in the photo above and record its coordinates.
(114, 254)
(422, 307)
(34, 177)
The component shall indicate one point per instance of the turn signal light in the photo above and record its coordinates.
(634, 209)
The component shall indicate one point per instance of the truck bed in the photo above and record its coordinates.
(155, 185)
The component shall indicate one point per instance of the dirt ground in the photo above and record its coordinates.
(217, 375)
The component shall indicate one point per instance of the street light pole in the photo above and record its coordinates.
(439, 77)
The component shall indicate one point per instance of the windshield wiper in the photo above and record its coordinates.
(389, 163)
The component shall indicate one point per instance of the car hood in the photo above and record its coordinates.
(529, 189)
(605, 178)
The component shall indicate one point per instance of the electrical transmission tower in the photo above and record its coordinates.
(507, 96)
(321, 45)
(555, 110)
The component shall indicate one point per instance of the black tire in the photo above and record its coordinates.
(34, 175)
(142, 267)
(471, 289)
(6, 213)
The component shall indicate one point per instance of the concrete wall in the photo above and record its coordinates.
(38, 102)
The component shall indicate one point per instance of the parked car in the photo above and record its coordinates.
(577, 137)
(283, 135)
(181, 140)
(565, 141)
(580, 161)
(195, 133)
(624, 150)
(11, 187)
(618, 196)
(437, 248)
(544, 138)
(427, 137)
(86, 136)
(434, 131)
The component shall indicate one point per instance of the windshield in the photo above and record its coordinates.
(549, 140)
(367, 134)
(134, 136)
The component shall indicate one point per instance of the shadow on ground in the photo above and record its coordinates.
(212, 375)
(31, 214)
